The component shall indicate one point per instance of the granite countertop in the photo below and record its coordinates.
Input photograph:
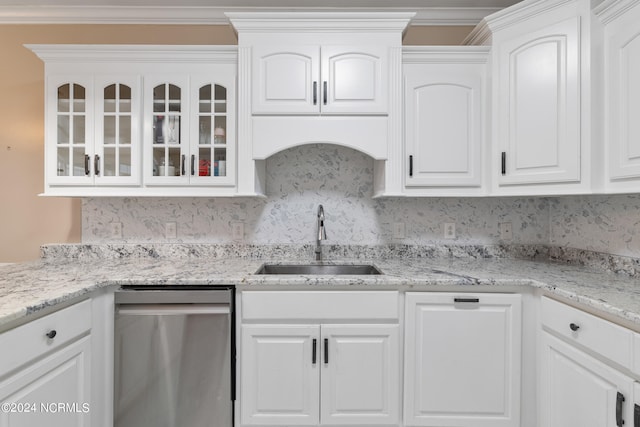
(28, 288)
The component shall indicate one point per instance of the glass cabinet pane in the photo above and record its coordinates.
(166, 125)
(220, 162)
(205, 130)
(79, 130)
(78, 162)
(125, 161)
(63, 161)
(125, 99)
(78, 98)
(64, 98)
(125, 130)
(63, 129)
(71, 132)
(109, 136)
(117, 131)
(109, 165)
(167, 161)
(110, 99)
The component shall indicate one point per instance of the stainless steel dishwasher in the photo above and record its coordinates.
(174, 356)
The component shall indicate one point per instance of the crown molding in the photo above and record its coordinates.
(609, 10)
(435, 16)
(212, 15)
(445, 54)
(67, 53)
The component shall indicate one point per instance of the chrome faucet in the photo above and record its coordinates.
(321, 233)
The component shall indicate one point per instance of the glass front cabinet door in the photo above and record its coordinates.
(188, 129)
(69, 136)
(93, 137)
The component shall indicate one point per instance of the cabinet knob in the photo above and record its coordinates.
(574, 327)
(51, 334)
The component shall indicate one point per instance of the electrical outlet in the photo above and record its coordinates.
(237, 230)
(116, 230)
(506, 231)
(449, 230)
(171, 230)
(399, 230)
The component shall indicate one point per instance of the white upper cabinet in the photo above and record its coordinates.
(445, 110)
(188, 129)
(115, 127)
(319, 77)
(622, 94)
(92, 135)
(544, 73)
(538, 109)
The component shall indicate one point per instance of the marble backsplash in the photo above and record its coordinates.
(341, 179)
(597, 223)
(298, 180)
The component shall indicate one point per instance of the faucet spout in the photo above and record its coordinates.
(321, 233)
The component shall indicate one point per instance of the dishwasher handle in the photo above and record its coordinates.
(172, 309)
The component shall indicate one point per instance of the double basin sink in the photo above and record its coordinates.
(313, 269)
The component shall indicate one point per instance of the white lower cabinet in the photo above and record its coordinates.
(462, 360)
(320, 358)
(52, 392)
(280, 381)
(586, 367)
(578, 390)
(360, 374)
(320, 374)
(45, 371)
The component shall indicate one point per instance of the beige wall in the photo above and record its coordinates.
(435, 36)
(26, 220)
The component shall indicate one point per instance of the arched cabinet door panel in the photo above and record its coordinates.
(443, 131)
(622, 99)
(538, 111)
(286, 80)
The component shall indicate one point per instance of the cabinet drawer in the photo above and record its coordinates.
(29, 341)
(598, 335)
(321, 305)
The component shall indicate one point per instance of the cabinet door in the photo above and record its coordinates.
(462, 365)
(53, 392)
(286, 80)
(118, 139)
(443, 113)
(69, 136)
(212, 159)
(622, 69)
(538, 112)
(360, 375)
(354, 80)
(280, 375)
(577, 390)
(166, 129)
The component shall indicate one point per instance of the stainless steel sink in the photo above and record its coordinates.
(352, 269)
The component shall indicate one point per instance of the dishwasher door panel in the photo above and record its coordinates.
(173, 367)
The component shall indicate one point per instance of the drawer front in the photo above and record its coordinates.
(321, 305)
(30, 341)
(598, 335)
